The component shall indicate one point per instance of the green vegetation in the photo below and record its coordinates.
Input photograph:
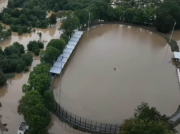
(13, 59)
(2, 79)
(35, 46)
(21, 21)
(147, 120)
(69, 25)
(35, 113)
(38, 99)
(153, 13)
(167, 15)
(54, 48)
(52, 19)
(4, 34)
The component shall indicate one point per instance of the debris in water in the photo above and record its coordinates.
(115, 69)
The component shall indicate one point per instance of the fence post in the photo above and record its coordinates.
(95, 126)
(115, 129)
(110, 128)
(90, 125)
(100, 127)
(59, 109)
(75, 119)
(62, 112)
(80, 121)
(56, 106)
(66, 114)
(70, 117)
(85, 123)
(105, 128)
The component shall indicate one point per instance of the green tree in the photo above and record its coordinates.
(50, 55)
(83, 16)
(167, 14)
(147, 120)
(41, 83)
(20, 65)
(8, 65)
(35, 114)
(26, 88)
(39, 69)
(28, 58)
(58, 44)
(99, 9)
(56, 8)
(137, 126)
(19, 46)
(35, 46)
(69, 25)
(2, 79)
(144, 112)
(52, 19)
(11, 50)
(6, 18)
(40, 44)
(23, 19)
(49, 99)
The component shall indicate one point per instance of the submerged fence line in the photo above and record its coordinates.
(85, 124)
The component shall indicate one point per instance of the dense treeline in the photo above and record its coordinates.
(21, 20)
(14, 59)
(54, 5)
(54, 48)
(162, 15)
(167, 15)
(38, 98)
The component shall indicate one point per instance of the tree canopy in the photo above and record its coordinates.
(4, 33)
(35, 113)
(147, 120)
(2, 79)
(52, 19)
(167, 15)
(13, 58)
(69, 25)
(35, 46)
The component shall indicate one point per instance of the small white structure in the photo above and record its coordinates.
(23, 128)
(63, 58)
(176, 55)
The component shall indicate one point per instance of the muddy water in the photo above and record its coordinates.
(92, 89)
(12, 93)
(3, 3)
(47, 35)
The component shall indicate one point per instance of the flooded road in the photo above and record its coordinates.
(92, 89)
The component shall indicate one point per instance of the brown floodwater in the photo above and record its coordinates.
(93, 90)
(12, 93)
(3, 3)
